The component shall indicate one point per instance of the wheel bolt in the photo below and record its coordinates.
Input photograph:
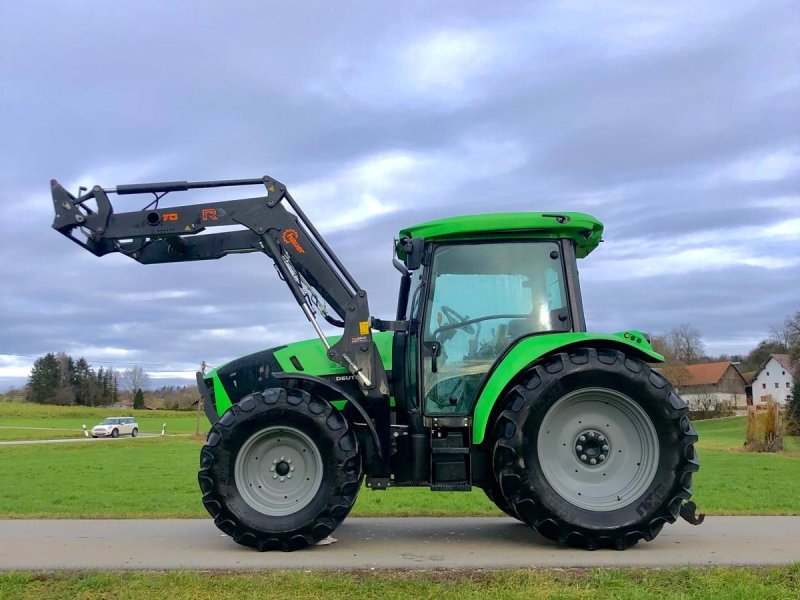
(291, 469)
(582, 438)
(591, 434)
(274, 476)
(283, 478)
(289, 460)
(583, 457)
(272, 468)
(578, 447)
(282, 458)
(275, 462)
(289, 476)
(605, 447)
(602, 457)
(593, 461)
(602, 438)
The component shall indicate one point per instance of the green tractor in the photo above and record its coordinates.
(486, 377)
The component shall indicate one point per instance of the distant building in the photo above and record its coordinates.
(773, 380)
(707, 384)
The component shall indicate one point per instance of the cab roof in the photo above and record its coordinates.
(583, 229)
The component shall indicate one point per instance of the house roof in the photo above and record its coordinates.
(707, 373)
(784, 360)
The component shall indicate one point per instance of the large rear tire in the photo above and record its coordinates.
(594, 449)
(280, 470)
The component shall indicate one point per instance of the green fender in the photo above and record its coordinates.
(532, 348)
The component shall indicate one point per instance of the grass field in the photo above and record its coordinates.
(713, 583)
(68, 421)
(155, 477)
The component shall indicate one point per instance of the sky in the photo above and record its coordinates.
(677, 124)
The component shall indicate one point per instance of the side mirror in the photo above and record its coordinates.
(414, 248)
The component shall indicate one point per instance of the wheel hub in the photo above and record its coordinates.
(592, 447)
(278, 470)
(598, 449)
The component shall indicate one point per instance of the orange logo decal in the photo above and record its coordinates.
(289, 236)
(209, 214)
(170, 216)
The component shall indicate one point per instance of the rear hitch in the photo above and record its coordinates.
(689, 513)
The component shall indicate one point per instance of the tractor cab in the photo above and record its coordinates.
(476, 285)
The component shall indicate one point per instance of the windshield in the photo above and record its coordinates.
(482, 297)
(110, 422)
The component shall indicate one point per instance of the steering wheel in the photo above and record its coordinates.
(453, 318)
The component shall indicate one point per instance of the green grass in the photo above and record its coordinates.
(21, 433)
(17, 414)
(597, 584)
(157, 477)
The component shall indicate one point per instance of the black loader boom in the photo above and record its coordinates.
(301, 256)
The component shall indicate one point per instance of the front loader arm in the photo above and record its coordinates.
(176, 234)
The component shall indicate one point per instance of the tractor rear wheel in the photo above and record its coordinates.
(280, 470)
(495, 494)
(594, 449)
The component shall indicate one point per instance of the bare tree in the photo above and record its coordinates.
(135, 379)
(677, 373)
(685, 343)
(660, 344)
(792, 327)
(781, 334)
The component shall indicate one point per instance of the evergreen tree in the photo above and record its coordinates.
(82, 382)
(793, 410)
(138, 399)
(114, 387)
(44, 380)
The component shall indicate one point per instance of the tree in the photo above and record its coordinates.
(760, 354)
(683, 343)
(135, 379)
(81, 381)
(43, 382)
(792, 327)
(793, 410)
(138, 399)
(677, 373)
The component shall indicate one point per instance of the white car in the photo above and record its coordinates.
(115, 427)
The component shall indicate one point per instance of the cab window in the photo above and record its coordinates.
(482, 297)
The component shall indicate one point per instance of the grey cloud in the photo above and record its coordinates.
(624, 112)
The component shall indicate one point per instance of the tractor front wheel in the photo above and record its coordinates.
(594, 449)
(280, 470)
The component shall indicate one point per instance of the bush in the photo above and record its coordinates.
(765, 429)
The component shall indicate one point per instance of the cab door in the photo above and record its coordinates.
(478, 298)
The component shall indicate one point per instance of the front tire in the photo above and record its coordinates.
(135, 432)
(594, 449)
(115, 433)
(280, 470)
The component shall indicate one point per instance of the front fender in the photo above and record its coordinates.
(530, 349)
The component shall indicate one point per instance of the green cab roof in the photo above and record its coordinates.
(581, 228)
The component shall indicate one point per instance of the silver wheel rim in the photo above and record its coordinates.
(629, 461)
(278, 471)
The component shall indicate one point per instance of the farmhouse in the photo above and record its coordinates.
(773, 380)
(706, 385)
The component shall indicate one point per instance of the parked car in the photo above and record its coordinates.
(115, 427)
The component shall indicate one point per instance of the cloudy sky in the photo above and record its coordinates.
(677, 124)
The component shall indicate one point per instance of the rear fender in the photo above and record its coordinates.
(527, 350)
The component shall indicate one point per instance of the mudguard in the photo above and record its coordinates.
(529, 349)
